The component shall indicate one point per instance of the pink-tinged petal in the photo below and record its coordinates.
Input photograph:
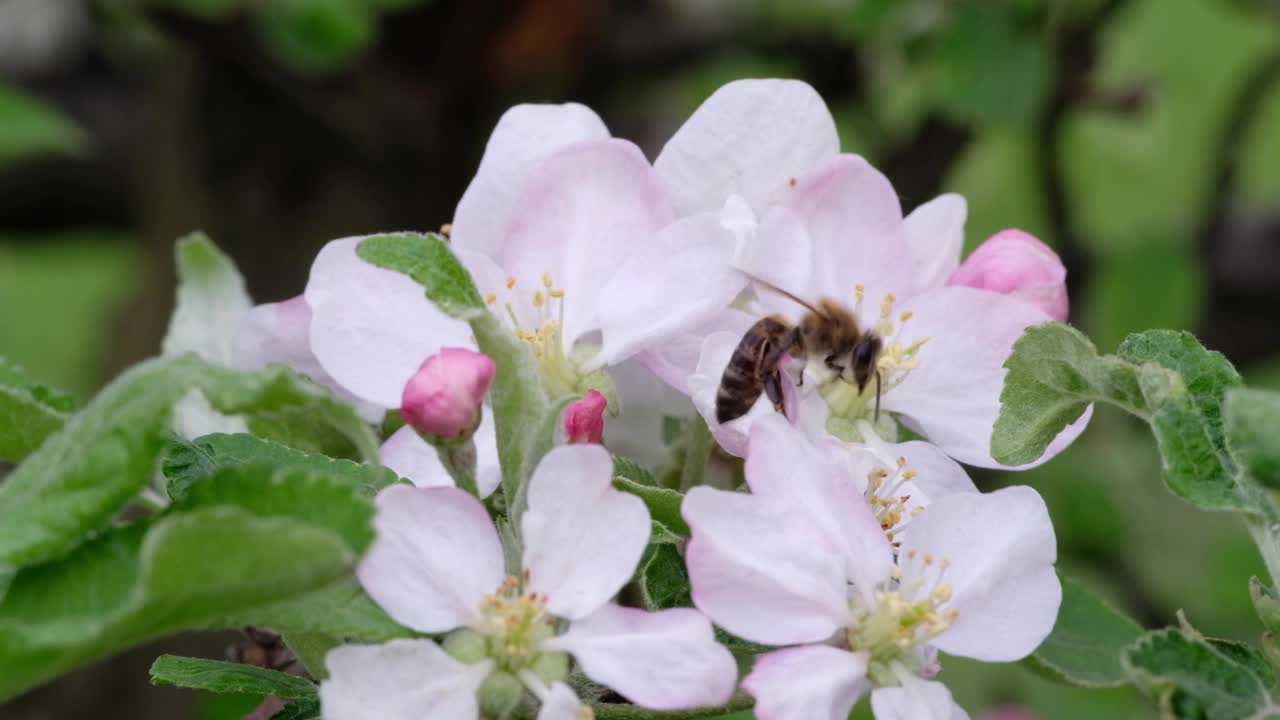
(371, 328)
(916, 699)
(754, 572)
(786, 469)
(677, 358)
(935, 234)
(412, 457)
(280, 333)
(780, 252)
(953, 397)
(678, 279)
(855, 230)
(1001, 548)
(582, 538)
(664, 660)
(1016, 264)
(750, 138)
(817, 682)
(561, 703)
(524, 136)
(435, 557)
(400, 680)
(584, 210)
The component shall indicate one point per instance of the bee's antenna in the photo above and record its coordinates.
(877, 395)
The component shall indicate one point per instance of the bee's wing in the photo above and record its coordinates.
(774, 288)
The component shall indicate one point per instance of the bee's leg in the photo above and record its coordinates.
(773, 388)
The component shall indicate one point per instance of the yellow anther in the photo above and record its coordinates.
(942, 593)
(538, 299)
(546, 280)
(928, 558)
(491, 298)
(886, 307)
(446, 229)
(908, 475)
(556, 293)
(511, 282)
(902, 462)
(905, 316)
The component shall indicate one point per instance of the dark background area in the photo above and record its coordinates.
(1139, 138)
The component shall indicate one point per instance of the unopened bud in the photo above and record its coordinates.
(584, 419)
(443, 399)
(1016, 264)
(500, 694)
(1266, 602)
(466, 646)
(551, 667)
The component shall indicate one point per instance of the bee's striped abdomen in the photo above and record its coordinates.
(743, 379)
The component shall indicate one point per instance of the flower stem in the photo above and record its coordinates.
(459, 458)
(697, 451)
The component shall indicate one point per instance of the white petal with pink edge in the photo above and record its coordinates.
(524, 136)
(750, 138)
(400, 680)
(916, 699)
(582, 538)
(561, 703)
(935, 234)
(372, 328)
(754, 572)
(435, 558)
(662, 660)
(1001, 549)
(816, 682)
(583, 211)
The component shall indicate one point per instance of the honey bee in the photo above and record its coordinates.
(828, 333)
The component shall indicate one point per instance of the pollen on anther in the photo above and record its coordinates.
(511, 282)
(446, 229)
(902, 462)
(556, 292)
(906, 316)
(546, 280)
(491, 298)
(538, 299)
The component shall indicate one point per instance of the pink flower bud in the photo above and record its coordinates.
(584, 419)
(1008, 712)
(443, 398)
(1016, 264)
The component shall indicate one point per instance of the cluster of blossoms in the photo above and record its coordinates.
(860, 556)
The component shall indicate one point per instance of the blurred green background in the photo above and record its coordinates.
(1140, 138)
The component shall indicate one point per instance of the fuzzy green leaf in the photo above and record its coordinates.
(32, 128)
(664, 580)
(663, 503)
(218, 676)
(1087, 639)
(1190, 678)
(1054, 373)
(306, 709)
(29, 413)
(153, 578)
(212, 302)
(429, 261)
(1252, 418)
(341, 609)
(631, 470)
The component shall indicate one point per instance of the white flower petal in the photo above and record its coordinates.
(435, 557)
(1001, 548)
(411, 457)
(936, 475)
(661, 660)
(372, 328)
(582, 538)
(917, 699)
(786, 469)
(680, 278)
(749, 138)
(780, 252)
(935, 235)
(816, 682)
(523, 137)
(677, 358)
(400, 680)
(754, 571)
(561, 703)
(583, 211)
(953, 397)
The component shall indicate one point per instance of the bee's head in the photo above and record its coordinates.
(863, 359)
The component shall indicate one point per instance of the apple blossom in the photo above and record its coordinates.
(804, 561)
(1018, 265)
(437, 566)
(758, 166)
(443, 399)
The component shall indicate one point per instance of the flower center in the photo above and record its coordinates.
(905, 612)
(538, 319)
(896, 361)
(514, 623)
(888, 494)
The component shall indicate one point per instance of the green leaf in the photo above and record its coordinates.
(1248, 656)
(521, 407)
(1190, 678)
(341, 610)
(663, 503)
(429, 261)
(218, 676)
(310, 649)
(988, 70)
(187, 463)
(306, 709)
(317, 36)
(149, 579)
(631, 470)
(1087, 639)
(1252, 418)
(281, 405)
(1054, 373)
(86, 471)
(212, 302)
(29, 413)
(29, 128)
(664, 580)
